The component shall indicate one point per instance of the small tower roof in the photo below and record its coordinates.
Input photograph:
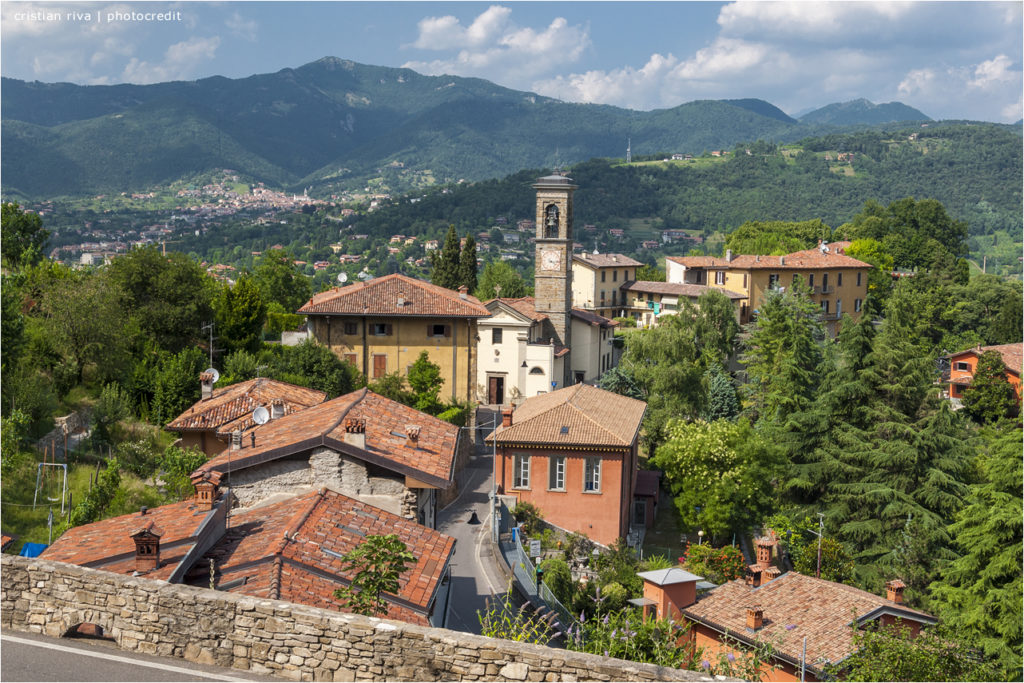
(554, 179)
(666, 577)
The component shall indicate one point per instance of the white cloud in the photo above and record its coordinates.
(180, 62)
(993, 72)
(816, 21)
(241, 27)
(492, 46)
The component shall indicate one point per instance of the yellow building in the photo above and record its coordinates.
(647, 301)
(839, 283)
(596, 279)
(383, 325)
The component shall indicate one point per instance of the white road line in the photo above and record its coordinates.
(484, 532)
(123, 660)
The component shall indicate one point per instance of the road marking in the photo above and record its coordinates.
(482, 533)
(123, 660)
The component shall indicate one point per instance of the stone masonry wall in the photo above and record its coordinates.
(284, 639)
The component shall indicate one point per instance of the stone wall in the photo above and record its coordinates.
(273, 637)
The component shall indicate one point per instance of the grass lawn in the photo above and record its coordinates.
(26, 522)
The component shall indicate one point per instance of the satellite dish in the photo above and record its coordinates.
(213, 371)
(342, 278)
(364, 276)
(260, 416)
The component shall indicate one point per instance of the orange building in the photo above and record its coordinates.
(963, 364)
(573, 454)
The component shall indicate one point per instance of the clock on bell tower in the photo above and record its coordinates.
(553, 261)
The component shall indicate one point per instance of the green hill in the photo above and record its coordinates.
(862, 112)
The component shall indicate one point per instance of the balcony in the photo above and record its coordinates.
(824, 289)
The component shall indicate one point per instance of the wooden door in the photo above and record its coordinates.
(496, 390)
(380, 365)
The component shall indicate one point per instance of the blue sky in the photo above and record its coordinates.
(948, 59)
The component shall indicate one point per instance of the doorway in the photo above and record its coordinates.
(495, 390)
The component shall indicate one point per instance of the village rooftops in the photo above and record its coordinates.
(794, 607)
(580, 415)
(676, 289)
(526, 306)
(231, 407)
(394, 436)
(291, 550)
(807, 259)
(699, 261)
(395, 295)
(605, 260)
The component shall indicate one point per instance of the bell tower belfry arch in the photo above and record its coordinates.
(553, 261)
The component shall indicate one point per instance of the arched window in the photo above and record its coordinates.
(551, 221)
(536, 370)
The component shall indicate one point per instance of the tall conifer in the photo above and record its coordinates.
(467, 265)
(445, 272)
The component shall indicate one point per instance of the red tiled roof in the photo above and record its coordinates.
(7, 540)
(230, 408)
(797, 606)
(108, 544)
(431, 461)
(1012, 354)
(592, 318)
(699, 261)
(580, 415)
(381, 296)
(527, 306)
(290, 551)
(676, 289)
(605, 260)
(808, 259)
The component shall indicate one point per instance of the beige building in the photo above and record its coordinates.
(646, 301)
(383, 325)
(520, 356)
(597, 279)
(839, 283)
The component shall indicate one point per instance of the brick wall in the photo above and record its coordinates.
(280, 638)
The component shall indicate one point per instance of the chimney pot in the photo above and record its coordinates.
(143, 510)
(412, 436)
(782, 260)
(894, 590)
(206, 385)
(276, 409)
(355, 432)
(728, 254)
(506, 417)
(236, 440)
(463, 291)
(755, 617)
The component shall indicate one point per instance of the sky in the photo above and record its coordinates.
(951, 60)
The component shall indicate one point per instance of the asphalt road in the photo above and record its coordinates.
(474, 574)
(32, 657)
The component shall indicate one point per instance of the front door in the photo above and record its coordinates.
(495, 390)
(380, 365)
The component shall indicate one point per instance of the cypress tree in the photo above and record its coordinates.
(467, 265)
(445, 272)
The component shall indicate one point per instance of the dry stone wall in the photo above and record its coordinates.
(284, 639)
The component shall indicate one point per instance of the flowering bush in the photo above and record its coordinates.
(717, 565)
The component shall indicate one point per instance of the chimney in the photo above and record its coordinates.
(615, 258)
(236, 440)
(894, 590)
(355, 432)
(147, 547)
(276, 409)
(586, 256)
(506, 417)
(401, 299)
(412, 436)
(206, 489)
(755, 617)
(206, 384)
(764, 551)
(782, 260)
(728, 254)
(757, 257)
(463, 290)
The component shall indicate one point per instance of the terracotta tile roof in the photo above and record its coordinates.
(1013, 354)
(605, 260)
(381, 296)
(527, 306)
(699, 261)
(808, 259)
(230, 408)
(108, 545)
(592, 318)
(7, 540)
(676, 289)
(290, 551)
(580, 415)
(431, 461)
(797, 606)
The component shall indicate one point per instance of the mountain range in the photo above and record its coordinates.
(334, 124)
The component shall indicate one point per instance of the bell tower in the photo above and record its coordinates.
(553, 265)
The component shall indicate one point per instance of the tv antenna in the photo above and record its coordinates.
(204, 328)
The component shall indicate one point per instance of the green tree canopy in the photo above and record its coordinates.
(990, 396)
(375, 567)
(777, 237)
(426, 381)
(467, 265)
(280, 281)
(24, 239)
(500, 275)
(241, 313)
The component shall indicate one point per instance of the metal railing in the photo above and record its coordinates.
(523, 569)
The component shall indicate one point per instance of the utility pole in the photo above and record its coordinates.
(205, 327)
(819, 533)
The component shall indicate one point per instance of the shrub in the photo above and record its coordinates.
(717, 565)
(558, 578)
(529, 516)
(615, 597)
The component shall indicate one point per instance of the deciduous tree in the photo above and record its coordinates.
(374, 567)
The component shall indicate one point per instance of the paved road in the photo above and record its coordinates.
(32, 657)
(474, 575)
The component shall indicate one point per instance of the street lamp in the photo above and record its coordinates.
(700, 533)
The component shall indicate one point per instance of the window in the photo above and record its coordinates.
(615, 296)
(839, 279)
(839, 307)
(744, 280)
(858, 279)
(824, 282)
(719, 277)
(496, 335)
(438, 330)
(351, 328)
(824, 306)
(603, 274)
(602, 297)
(381, 329)
(810, 280)
(795, 278)
(551, 221)
(521, 471)
(592, 474)
(773, 281)
(962, 365)
(536, 370)
(856, 305)
(556, 473)
(615, 276)
(350, 358)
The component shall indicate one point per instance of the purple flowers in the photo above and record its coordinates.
(731, 657)
(706, 664)
(790, 627)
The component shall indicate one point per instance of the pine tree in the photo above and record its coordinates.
(990, 397)
(722, 402)
(467, 265)
(445, 271)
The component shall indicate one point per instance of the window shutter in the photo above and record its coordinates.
(387, 329)
(430, 330)
(447, 330)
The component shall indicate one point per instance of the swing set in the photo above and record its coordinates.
(41, 479)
